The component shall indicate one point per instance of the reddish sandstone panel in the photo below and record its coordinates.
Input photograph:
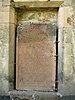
(36, 61)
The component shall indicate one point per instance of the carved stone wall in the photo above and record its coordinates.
(64, 18)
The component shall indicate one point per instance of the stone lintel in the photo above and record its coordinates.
(38, 4)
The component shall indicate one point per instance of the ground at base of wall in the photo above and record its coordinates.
(68, 98)
(33, 95)
(63, 98)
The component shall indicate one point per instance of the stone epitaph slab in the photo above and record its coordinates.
(35, 57)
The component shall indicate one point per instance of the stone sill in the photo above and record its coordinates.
(34, 95)
(39, 4)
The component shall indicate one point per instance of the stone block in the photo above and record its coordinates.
(61, 17)
(4, 33)
(60, 56)
(67, 2)
(4, 42)
(38, 17)
(4, 8)
(11, 54)
(11, 72)
(28, 95)
(38, 4)
(68, 88)
(4, 86)
(4, 47)
(0, 3)
(68, 65)
(68, 12)
(12, 16)
(68, 52)
(12, 33)
(65, 17)
(68, 37)
(4, 17)
(68, 49)
(6, 2)
(73, 2)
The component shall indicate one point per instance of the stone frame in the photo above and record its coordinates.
(60, 65)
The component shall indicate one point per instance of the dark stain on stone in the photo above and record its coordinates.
(69, 20)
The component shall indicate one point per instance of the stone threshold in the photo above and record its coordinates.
(33, 95)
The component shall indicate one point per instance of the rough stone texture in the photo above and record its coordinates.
(5, 28)
(60, 58)
(4, 58)
(4, 49)
(73, 39)
(13, 16)
(38, 4)
(66, 25)
(13, 21)
(33, 95)
(39, 16)
(65, 16)
(6, 2)
(11, 55)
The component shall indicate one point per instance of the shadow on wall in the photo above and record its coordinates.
(68, 98)
(5, 98)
